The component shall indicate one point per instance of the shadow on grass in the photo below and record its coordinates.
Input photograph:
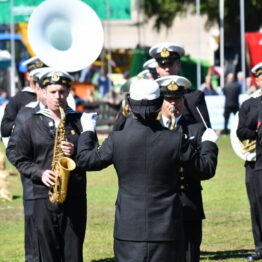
(219, 255)
(216, 255)
(17, 197)
(104, 260)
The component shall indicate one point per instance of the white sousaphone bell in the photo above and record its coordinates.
(65, 34)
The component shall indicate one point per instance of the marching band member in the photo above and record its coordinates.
(30, 234)
(147, 158)
(60, 226)
(173, 89)
(247, 130)
(168, 57)
(21, 98)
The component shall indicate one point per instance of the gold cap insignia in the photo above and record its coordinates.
(39, 64)
(172, 86)
(55, 77)
(73, 132)
(259, 72)
(164, 53)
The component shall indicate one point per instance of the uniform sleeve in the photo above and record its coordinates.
(247, 123)
(9, 118)
(11, 147)
(193, 100)
(24, 154)
(91, 157)
(202, 160)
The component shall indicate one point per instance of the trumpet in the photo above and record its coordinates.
(173, 124)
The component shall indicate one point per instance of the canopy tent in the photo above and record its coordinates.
(119, 9)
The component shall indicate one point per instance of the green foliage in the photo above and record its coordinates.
(226, 230)
(164, 12)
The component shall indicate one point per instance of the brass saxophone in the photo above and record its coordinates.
(61, 165)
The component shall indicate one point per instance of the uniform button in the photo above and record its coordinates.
(182, 187)
(182, 178)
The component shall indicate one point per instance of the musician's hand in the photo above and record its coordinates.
(88, 121)
(209, 135)
(67, 148)
(48, 178)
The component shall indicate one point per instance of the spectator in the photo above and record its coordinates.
(240, 79)
(208, 88)
(4, 99)
(103, 83)
(231, 91)
(251, 89)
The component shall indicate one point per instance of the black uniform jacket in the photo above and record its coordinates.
(21, 99)
(24, 114)
(248, 117)
(35, 145)
(147, 159)
(193, 99)
(190, 185)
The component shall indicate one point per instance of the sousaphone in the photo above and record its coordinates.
(246, 150)
(65, 34)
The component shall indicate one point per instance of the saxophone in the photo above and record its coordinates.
(61, 165)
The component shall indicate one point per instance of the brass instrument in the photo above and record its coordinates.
(246, 150)
(249, 146)
(61, 165)
(173, 125)
(67, 35)
(125, 107)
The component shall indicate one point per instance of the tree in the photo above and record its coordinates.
(165, 11)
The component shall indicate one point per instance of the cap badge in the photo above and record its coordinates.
(73, 132)
(55, 77)
(259, 72)
(39, 64)
(164, 53)
(172, 86)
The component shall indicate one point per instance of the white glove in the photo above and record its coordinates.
(88, 121)
(209, 135)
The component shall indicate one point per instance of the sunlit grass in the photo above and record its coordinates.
(226, 229)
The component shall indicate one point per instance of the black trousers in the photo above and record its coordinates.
(61, 229)
(254, 196)
(132, 251)
(193, 238)
(30, 234)
(227, 112)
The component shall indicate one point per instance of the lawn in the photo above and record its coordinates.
(226, 230)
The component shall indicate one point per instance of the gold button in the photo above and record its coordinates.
(182, 178)
(182, 187)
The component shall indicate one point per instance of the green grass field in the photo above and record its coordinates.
(226, 231)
